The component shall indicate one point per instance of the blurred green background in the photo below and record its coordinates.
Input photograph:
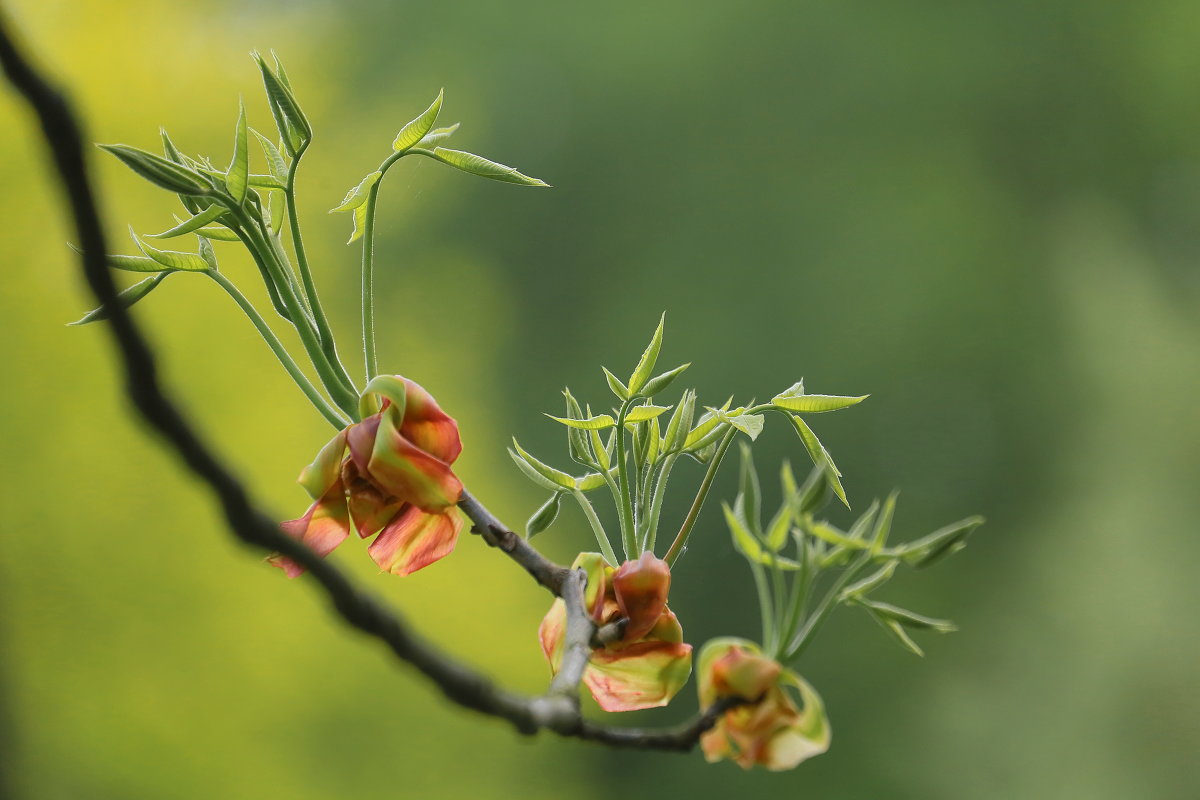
(983, 213)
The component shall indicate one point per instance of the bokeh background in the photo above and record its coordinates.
(983, 213)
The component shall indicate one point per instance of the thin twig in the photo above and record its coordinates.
(458, 682)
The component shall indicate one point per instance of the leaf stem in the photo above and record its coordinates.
(606, 548)
(314, 396)
(702, 493)
(625, 506)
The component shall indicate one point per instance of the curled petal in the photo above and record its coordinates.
(773, 732)
(551, 632)
(404, 470)
(370, 508)
(642, 675)
(323, 527)
(415, 539)
(427, 426)
(641, 589)
(324, 471)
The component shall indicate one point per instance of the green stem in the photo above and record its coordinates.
(324, 332)
(693, 513)
(656, 500)
(769, 632)
(813, 624)
(625, 506)
(314, 396)
(368, 286)
(344, 398)
(606, 548)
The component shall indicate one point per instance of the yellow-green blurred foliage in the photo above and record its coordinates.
(983, 213)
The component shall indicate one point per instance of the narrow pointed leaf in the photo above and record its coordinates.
(127, 297)
(659, 383)
(897, 632)
(478, 165)
(820, 456)
(173, 259)
(557, 477)
(415, 131)
(750, 491)
(218, 233)
(358, 195)
(160, 171)
(911, 619)
(645, 365)
(746, 544)
(544, 517)
(943, 542)
(680, 423)
(437, 135)
(614, 383)
(531, 473)
(816, 403)
(293, 126)
(238, 174)
(869, 583)
(590, 482)
(211, 214)
(749, 424)
(206, 252)
(596, 423)
(274, 159)
(643, 413)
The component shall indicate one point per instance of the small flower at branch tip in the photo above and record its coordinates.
(650, 663)
(770, 730)
(388, 475)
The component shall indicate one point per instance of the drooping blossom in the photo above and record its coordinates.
(388, 475)
(772, 731)
(650, 662)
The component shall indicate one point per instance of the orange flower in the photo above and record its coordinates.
(650, 662)
(772, 731)
(391, 475)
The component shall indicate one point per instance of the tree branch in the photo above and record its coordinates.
(458, 682)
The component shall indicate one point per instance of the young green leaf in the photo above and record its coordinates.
(576, 439)
(172, 259)
(590, 482)
(531, 473)
(911, 619)
(415, 131)
(946, 541)
(820, 456)
(289, 119)
(211, 214)
(559, 479)
(544, 517)
(275, 162)
(750, 491)
(777, 531)
(870, 583)
(680, 423)
(217, 233)
(815, 403)
(883, 525)
(437, 135)
(644, 412)
(478, 165)
(749, 424)
(356, 201)
(358, 195)
(596, 423)
(896, 631)
(126, 298)
(746, 544)
(160, 171)
(645, 365)
(238, 175)
(206, 252)
(659, 383)
(614, 383)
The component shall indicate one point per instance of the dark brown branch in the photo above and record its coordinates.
(459, 683)
(497, 534)
(680, 739)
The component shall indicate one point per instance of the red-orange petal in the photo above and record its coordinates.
(427, 426)
(415, 539)
(641, 589)
(323, 527)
